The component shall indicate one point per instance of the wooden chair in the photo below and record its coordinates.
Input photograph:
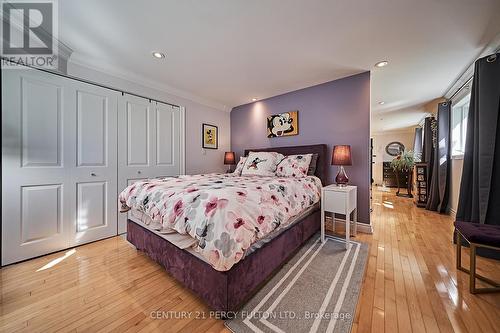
(477, 235)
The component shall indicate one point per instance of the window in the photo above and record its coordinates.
(459, 112)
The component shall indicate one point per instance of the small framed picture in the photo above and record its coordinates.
(210, 136)
(423, 198)
(420, 171)
(423, 191)
(420, 177)
(422, 184)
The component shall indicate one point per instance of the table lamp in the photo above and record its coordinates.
(341, 156)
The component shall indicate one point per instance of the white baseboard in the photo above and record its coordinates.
(362, 227)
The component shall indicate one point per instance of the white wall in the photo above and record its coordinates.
(198, 160)
(380, 140)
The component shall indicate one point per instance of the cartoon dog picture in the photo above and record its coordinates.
(255, 163)
(282, 124)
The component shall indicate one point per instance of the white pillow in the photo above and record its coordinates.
(239, 166)
(261, 163)
(294, 166)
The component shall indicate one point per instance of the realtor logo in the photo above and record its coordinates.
(29, 33)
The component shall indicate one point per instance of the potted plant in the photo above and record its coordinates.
(401, 164)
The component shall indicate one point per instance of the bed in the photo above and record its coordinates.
(227, 290)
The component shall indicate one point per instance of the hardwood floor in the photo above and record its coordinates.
(411, 284)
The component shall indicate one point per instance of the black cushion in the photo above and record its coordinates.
(486, 234)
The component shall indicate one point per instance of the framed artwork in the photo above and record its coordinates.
(283, 124)
(210, 136)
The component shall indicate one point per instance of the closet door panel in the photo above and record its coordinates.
(41, 213)
(92, 123)
(138, 129)
(41, 123)
(94, 188)
(92, 205)
(36, 129)
(165, 136)
(167, 140)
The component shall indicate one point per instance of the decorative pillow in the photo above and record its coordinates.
(294, 166)
(239, 166)
(261, 163)
(312, 167)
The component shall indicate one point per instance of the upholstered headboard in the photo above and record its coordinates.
(321, 150)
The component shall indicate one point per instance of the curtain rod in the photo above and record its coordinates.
(90, 82)
(497, 50)
(460, 88)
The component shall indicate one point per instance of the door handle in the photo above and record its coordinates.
(93, 174)
(139, 172)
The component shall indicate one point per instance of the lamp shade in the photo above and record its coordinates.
(229, 158)
(341, 155)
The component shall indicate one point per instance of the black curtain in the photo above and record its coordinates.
(479, 199)
(428, 148)
(417, 144)
(439, 184)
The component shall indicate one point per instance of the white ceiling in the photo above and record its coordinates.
(229, 51)
(406, 118)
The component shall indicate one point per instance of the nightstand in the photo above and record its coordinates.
(339, 200)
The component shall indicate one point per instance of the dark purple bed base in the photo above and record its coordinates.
(227, 291)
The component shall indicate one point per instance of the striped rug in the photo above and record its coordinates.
(316, 291)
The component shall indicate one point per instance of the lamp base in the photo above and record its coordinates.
(341, 179)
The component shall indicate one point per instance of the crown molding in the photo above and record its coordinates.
(132, 77)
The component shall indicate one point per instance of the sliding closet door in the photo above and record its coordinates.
(59, 150)
(168, 140)
(150, 143)
(36, 178)
(94, 179)
(135, 125)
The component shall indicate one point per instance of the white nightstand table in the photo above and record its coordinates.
(339, 200)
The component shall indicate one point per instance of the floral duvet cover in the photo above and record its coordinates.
(225, 213)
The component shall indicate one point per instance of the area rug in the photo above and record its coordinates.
(316, 291)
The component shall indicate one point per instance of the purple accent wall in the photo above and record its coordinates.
(334, 113)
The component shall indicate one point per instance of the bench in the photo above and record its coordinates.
(477, 235)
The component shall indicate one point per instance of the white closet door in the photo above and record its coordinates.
(59, 149)
(135, 125)
(150, 143)
(94, 180)
(36, 184)
(167, 140)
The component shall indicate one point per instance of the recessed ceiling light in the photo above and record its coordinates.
(382, 63)
(254, 99)
(158, 55)
(381, 102)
